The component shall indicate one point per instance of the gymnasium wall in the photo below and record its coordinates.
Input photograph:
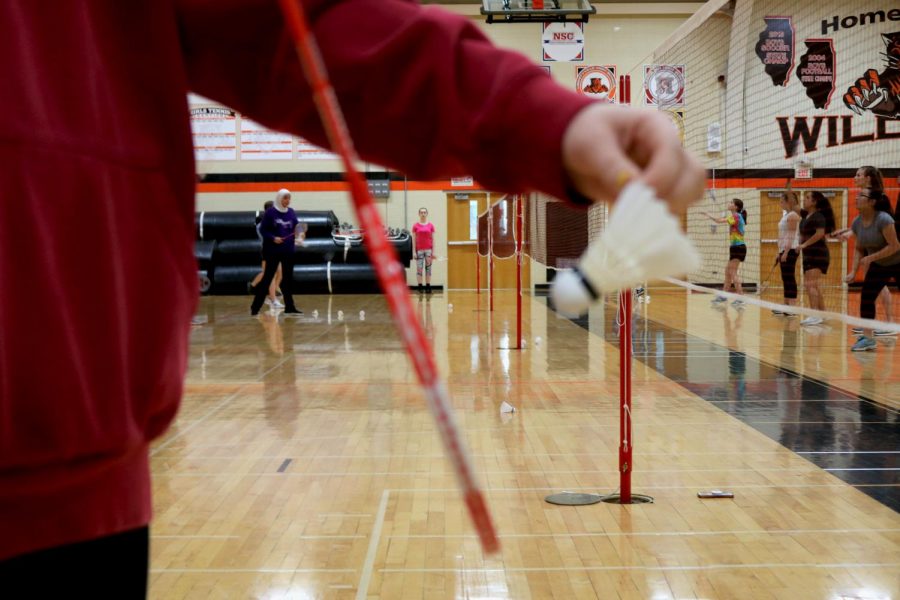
(610, 39)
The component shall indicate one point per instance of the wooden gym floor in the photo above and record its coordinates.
(304, 463)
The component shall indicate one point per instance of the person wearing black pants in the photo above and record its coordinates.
(279, 232)
(113, 566)
(877, 251)
(788, 240)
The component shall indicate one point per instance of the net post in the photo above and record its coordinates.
(518, 201)
(490, 228)
(625, 440)
(477, 270)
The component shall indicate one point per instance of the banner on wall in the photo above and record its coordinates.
(259, 143)
(598, 82)
(816, 71)
(308, 151)
(563, 42)
(214, 130)
(878, 91)
(775, 49)
(664, 85)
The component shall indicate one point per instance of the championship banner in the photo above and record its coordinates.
(664, 85)
(598, 82)
(775, 49)
(816, 71)
(214, 130)
(563, 42)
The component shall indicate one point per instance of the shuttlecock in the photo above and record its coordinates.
(642, 241)
(315, 314)
(340, 315)
(362, 315)
(506, 407)
(449, 308)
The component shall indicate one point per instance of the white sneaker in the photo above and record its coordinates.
(268, 301)
(277, 303)
(719, 299)
(812, 321)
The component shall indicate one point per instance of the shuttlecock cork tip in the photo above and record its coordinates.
(569, 293)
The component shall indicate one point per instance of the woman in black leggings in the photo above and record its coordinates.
(788, 240)
(877, 252)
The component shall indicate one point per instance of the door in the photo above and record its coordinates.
(462, 239)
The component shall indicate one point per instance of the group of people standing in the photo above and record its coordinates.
(803, 232)
(280, 230)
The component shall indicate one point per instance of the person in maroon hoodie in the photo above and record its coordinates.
(95, 143)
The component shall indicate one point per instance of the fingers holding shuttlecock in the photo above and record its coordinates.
(642, 241)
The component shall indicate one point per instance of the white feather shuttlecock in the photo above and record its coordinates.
(642, 241)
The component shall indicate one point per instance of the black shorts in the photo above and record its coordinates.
(816, 258)
(737, 252)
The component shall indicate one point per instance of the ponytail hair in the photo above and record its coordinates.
(876, 181)
(824, 206)
(740, 208)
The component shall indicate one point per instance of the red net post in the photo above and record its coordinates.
(625, 442)
(518, 201)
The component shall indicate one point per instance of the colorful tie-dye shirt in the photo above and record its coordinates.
(736, 229)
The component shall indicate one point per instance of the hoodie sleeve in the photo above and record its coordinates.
(423, 90)
(267, 225)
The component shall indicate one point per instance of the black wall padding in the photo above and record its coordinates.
(308, 279)
(320, 223)
(239, 252)
(318, 250)
(203, 253)
(237, 225)
(232, 225)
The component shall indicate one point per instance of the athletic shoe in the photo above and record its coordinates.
(639, 292)
(779, 313)
(737, 303)
(857, 330)
(864, 343)
(719, 300)
(884, 333)
(268, 301)
(812, 321)
(293, 311)
(277, 303)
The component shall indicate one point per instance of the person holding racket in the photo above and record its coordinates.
(278, 228)
(737, 248)
(870, 178)
(788, 241)
(271, 298)
(103, 131)
(817, 221)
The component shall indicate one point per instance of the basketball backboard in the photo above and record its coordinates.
(540, 11)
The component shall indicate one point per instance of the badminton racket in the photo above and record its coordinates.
(390, 274)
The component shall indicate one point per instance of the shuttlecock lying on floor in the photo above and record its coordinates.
(642, 241)
(506, 407)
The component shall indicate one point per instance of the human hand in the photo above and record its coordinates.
(865, 261)
(605, 146)
(279, 240)
(849, 277)
(782, 256)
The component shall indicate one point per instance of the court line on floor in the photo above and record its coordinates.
(652, 533)
(550, 470)
(259, 570)
(362, 589)
(712, 567)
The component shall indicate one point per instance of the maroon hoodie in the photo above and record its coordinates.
(97, 197)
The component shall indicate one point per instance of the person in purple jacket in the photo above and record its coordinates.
(279, 232)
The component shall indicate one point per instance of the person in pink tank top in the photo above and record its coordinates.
(423, 245)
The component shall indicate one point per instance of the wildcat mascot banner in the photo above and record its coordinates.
(821, 83)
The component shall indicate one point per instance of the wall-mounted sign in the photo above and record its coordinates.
(563, 42)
